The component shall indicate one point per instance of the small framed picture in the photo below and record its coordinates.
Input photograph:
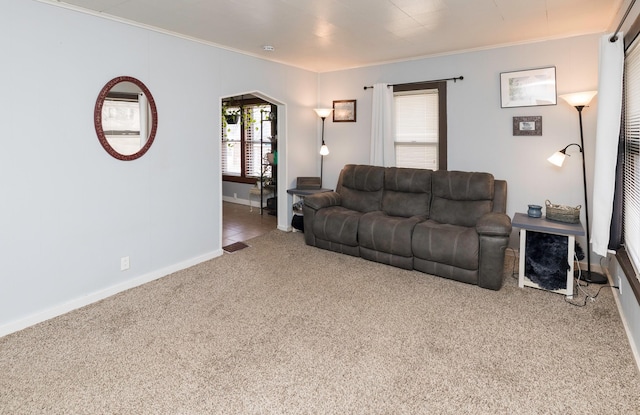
(527, 125)
(528, 88)
(344, 110)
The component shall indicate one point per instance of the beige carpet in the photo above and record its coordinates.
(282, 328)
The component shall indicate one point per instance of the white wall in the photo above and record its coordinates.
(479, 130)
(70, 211)
(628, 305)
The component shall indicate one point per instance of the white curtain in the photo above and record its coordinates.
(608, 130)
(382, 149)
(144, 118)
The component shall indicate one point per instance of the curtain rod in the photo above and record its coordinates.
(434, 80)
(614, 38)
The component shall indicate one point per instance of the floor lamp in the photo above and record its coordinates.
(580, 100)
(324, 150)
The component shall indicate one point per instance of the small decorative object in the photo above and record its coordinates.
(527, 125)
(535, 211)
(344, 110)
(562, 213)
(528, 88)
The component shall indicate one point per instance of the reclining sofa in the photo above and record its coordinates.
(446, 223)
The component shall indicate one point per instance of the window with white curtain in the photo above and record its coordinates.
(631, 173)
(420, 125)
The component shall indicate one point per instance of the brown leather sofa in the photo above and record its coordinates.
(447, 223)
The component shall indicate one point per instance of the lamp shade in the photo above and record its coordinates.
(323, 112)
(324, 150)
(578, 99)
(557, 158)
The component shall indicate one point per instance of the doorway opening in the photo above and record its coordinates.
(250, 166)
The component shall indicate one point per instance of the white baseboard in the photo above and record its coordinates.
(625, 323)
(76, 303)
(613, 275)
(232, 199)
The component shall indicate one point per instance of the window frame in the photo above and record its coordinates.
(623, 257)
(244, 141)
(441, 86)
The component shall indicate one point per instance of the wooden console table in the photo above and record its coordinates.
(543, 225)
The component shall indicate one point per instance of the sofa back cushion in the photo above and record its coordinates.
(360, 187)
(461, 198)
(407, 192)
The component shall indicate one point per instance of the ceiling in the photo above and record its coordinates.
(327, 35)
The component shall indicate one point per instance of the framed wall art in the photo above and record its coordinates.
(344, 110)
(528, 88)
(527, 125)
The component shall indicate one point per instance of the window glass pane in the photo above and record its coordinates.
(121, 125)
(416, 116)
(416, 128)
(256, 131)
(418, 156)
(231, 155)
(631, 180)
(232, 148)
(245, 145)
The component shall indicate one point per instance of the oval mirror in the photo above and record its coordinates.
(126, 118)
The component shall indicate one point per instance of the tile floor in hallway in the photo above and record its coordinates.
(240, 224)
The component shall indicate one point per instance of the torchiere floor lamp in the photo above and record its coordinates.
(324, 150)
(579, 100)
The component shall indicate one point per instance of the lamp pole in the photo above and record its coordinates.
(591, 277)
(321, 152)
(324, 150)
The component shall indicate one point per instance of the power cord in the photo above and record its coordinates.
(580, 287)
(579, 282)
(514, 272)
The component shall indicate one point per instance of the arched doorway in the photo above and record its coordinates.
(253, 166)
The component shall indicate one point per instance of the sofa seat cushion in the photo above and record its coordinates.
(391, 234)
(337, 224)
(453, 245)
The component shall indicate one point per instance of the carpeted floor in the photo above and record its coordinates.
(282, 328)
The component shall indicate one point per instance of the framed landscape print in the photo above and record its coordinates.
(344, 110)
(528, 88)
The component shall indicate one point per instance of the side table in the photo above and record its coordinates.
(301, 193)
(532, 226)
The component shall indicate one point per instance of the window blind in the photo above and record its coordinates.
(416, 128)
(242, 152)
(255, 131)
(231, 149)
(631, 180)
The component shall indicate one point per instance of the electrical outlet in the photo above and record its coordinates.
(235, 195)
(619, 285)
(124, 263)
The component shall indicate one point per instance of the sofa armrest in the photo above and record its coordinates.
(494, 224)
(494, 230)
(322, 200)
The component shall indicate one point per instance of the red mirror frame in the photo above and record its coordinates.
(97, 118)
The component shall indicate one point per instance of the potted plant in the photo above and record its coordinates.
(232, 117)
(229, 116)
